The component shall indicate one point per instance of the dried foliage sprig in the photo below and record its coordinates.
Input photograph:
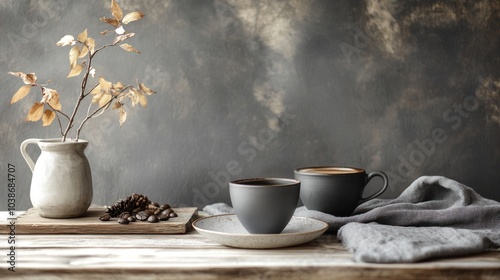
(104, 93)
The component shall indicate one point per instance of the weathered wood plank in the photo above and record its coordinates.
(192, 256)
(31, 223)
(278, 273)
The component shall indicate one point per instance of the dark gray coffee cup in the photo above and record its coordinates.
(264, 205)
(335, 190)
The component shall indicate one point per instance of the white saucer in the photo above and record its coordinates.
(227, 230)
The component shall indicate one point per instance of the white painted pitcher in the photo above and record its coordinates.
(61, 186)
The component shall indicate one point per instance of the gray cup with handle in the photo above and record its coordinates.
(336, 190)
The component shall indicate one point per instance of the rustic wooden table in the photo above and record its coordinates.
(191, 256)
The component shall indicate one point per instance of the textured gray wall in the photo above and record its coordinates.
(258, 88)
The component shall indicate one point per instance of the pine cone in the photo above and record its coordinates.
(128, 204)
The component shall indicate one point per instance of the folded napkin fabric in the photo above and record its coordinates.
(376, 243)
(433, 217)
(218, 209)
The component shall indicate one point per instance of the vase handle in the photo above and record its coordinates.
(25, 153)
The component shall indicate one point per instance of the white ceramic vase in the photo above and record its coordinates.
(61, 186)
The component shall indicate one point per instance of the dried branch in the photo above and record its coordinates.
(81, 57)
(60, 125)
(97, 112)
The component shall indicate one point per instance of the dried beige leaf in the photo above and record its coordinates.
(123, 115)
(105, 98)
(30, 79)
(75, 71)
(96, 97)
(20, 94)
(104, 32)
(116, 11)
(143, 100)
(129, 48)
(137, 96)
(82, 36)
(145, 89)
(121, 97)
(121, 112)
(55, 104)
(104, 85)
(133, 95)
(84, 51)
(117, 105)
(51, 96)
(35, 112)
(74, 53)
(27, 78)
(118, 86)
(18, 74)
(67, 40)
(48, 117)
(90, 43)
(121, 38)
(111, 21)
(46, 95)
(133, 16)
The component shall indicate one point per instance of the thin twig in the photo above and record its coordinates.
(88, 109)
(85, 95)
(101, 48)
(80, 98)
(58, 111)
(101, 109)
(60, 125)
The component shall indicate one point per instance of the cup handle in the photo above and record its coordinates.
(24, 152)
(384, 187)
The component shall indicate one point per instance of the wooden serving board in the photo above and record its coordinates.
(32, 223)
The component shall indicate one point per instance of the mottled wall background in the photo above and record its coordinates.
(258, 88)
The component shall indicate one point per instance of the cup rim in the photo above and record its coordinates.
(286, 182)
(307, 170)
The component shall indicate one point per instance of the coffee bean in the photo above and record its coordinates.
(167, 211)
(151, 207)
(163, 217)
(131, 219)
(164, 206)
(172, 215)
(155, 204)
(153, 219)
(123, 221)
(143, 215)
(157, 211)
(124, 215)
(105, 217)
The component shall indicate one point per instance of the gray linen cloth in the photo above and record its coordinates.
(434, 217)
